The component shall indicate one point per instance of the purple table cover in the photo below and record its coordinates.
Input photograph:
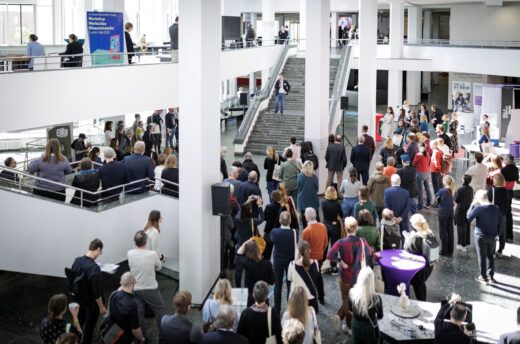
(399, 266)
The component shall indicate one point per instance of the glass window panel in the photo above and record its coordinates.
(27, 26)
(13, 33)
(3, 9)
(44, 24)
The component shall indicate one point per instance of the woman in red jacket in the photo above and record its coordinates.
(435, 167)
(421, 162)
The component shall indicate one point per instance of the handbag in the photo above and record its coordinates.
(155, 128)
(363, 258)
(257, 238)
(378, 279)
(317, 332)
(272, 338)
(342, 231)
(110, 331)
(277, 169)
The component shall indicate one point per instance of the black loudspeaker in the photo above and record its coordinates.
(220, 199)
(243, 99)
(344, 103)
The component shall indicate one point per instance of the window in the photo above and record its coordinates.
(16, 23)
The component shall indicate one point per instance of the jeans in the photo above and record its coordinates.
(334, 234)
(152, 298)
(280, 100)
(88, 316)
(502, 235)
(422, 182)
(344, 309)
(348, 205)
(446, 232)
(157, 143)
(463, 233)
(436, 182)
(279, 271)
(339, 179)
(170, 133)
(364, 333)
(272, 186)
(413, 205)
(485, 252)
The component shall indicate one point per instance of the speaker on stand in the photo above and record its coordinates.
(344, 107)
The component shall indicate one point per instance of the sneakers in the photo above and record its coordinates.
(499, 255)
(346, 330)
(426, 207)
(336, 321)
(334, 271)
(462, 249)
(492, 280)
(481, 279)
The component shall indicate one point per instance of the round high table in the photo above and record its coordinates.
(399, 266)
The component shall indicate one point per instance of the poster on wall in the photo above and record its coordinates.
(64, 134)
(461, 99)
(106, 37)
(477, 98)
(345, 22)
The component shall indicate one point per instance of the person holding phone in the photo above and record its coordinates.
(454, 330)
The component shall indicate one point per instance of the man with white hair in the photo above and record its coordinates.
(223, 324)
(139, 167)
(112, 173)
(123, 310)
(398, 200)
(233, 179)
(316, 235)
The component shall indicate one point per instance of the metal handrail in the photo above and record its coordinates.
(339, 85)
(259, 97)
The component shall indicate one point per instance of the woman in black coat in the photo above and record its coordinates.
(499, 196)
(272, 220)
(86, 179)
(129, 43)
(463, 199)
(170, 174)
(332, 217)
(73, 48)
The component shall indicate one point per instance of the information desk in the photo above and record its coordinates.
(490, 320)
(398, 266)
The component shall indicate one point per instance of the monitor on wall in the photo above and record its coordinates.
(231, 28)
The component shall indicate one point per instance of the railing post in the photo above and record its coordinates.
(122, 196)
(81, 199)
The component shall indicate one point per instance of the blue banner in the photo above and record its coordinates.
(106, 37)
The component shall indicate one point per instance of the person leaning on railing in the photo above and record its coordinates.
(87, 179)
(170, 176)
(73, 48)
(52, 166)
(9, 176)
(112, 173)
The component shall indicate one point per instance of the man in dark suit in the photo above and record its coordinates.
(139, 167)
(174, 40)
(369, 141)
(112, 174)
(397, 199)
(73, 48)
(436, 115)
(512, 337)
(336, 159)
(360, 158)
(249, 188)
(408, 176)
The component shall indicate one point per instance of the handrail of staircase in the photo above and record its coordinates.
(252, 111)
(339, 87)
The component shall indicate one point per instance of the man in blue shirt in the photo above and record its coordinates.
(284, 240)
(34, 49)
(398, 200)
(139, 167)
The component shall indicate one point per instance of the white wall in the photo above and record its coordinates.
(48, 240)
(479, 22)
(232, 8)
(294, 6)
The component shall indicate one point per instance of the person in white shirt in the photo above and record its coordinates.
(161, 160)
(296, 150)
(153, 230)
(478, 173)
(144, 263)
(443, 147)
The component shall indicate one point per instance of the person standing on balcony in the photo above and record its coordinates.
(156, 121)
(171, 124)
(250, 35)
(129, 43)
(73, 48)
(34, 49)
(174, 40)
(282, 89)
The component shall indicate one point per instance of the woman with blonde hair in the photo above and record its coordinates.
(272, 159)
(221, 296)
(495, 167)
(53, 166)
(445, 202)
(423, 125)
(298, 308)
(287, 204)
(388, 151)
(332, 219)
(170, 176)
(307, 190)
(367, 308)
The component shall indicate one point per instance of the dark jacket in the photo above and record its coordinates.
(360, 158)
(398, 200)
(463, 198)
(92, 273)
(510, 338)
(336, 157)
(171, 175)
(489, 220)
(253, 326)
(370, 144)
(73, 48)
(247, 189)
(149, 141)
(223, 337)
(86, 180)
(272, 216)
(500, 198)
(129, 46)
(113, 174)
(139, 167)
(447, 332)
(174, 36)
(286, 86)
(178, 329)
(223, 168)
(408, 176)
(249, 166)
(387, 153)
(269, 166)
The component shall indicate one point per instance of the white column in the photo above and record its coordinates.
(333, 29)
(413, 79)
(395, 77)
(113, 6)
(253, 21)
(199, 234)
(427, 76)
(80, 18)
(226, 89)
(317, 63)
(302, 44)
(252, 83)
(233, 87)
(267, 32)
(367, 64)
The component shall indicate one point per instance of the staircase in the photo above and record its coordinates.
(275, 129)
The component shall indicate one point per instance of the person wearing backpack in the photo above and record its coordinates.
(390, 232)
(421, 241)
(85, 286)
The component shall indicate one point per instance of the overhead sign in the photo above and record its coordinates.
(106, 37)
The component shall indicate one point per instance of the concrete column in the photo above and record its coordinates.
(317, 63)
(268, 28)
(225, 93)
(367, 64)
(253, 21)
(80, 18)
(199, 234)
(252, 83)
(113, 6)
(426, 34)
(395, 77)
(233, 87)
(302, 44)
(413, 79)
(333, 29)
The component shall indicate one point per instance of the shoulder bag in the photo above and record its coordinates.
(208, 326)
(295, 245)
(109, 331)
(276, 170)
(342, 231)
(317, 332)
(363, 258)
(272, 338)
(257, 238)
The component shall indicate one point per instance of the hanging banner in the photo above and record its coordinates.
(106, 37)
(477, 98)
(461, 99)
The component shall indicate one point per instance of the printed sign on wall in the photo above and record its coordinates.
(461, 96)
(106, 37)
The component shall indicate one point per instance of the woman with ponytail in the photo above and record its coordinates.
(53, 326)
(304, 272)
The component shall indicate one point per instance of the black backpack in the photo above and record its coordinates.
(310, 156)
(73, 144)
(391, 239)
(77, 284)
